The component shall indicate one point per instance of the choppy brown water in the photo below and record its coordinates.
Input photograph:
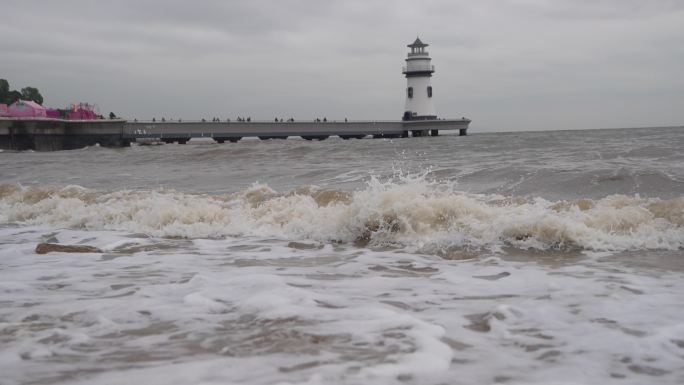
(500, 258)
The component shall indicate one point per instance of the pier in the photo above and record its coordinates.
(57, 134)
(42, 133)
(221, 132)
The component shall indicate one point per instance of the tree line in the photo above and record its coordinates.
(8, 96)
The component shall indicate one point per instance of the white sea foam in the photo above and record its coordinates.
(264, 311)
(411, 212)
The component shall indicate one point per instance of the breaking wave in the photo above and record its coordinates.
(427, 216)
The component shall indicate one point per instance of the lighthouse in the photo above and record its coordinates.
(418, 71)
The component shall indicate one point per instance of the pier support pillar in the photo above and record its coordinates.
(462, 131)
(222, 139)
(434, 132)
(419, 133)
(315, 137)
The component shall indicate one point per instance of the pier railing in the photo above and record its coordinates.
(195, 129)
(254, 121)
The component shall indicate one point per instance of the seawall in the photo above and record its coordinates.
(57, 134)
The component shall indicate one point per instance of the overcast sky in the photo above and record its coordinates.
(506, 64)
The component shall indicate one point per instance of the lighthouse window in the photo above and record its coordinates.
(409, 91)
(429, 91)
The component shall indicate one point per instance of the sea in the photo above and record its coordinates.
(551, 257)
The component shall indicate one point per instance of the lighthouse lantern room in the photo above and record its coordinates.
(418, 71)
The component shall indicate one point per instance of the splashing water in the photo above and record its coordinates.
(408, 212)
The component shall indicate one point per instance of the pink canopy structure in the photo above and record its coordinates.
(82, 111)
(26, 109)
(3, 109)
(52, 113)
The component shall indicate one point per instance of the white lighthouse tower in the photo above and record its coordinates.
(418, 72)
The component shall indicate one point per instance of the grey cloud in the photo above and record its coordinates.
(508, 64)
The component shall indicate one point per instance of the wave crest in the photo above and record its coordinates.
(411, 212)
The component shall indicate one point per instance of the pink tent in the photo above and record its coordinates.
(82, 111)
(80, 115)
(52, 113)
(26, 109)
(3, 109)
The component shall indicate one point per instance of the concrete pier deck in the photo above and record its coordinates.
(43, 134)
(181, 132)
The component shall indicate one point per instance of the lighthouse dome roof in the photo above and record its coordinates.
(417, 44)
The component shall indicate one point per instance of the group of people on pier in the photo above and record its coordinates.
(241, 119)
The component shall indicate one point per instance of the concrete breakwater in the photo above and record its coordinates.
(57, 134)
(42, 134)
